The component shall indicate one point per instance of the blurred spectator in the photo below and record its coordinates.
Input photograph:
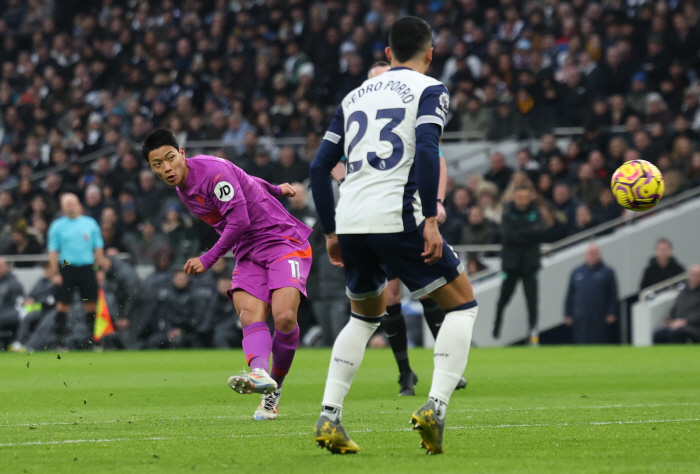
(179, 234)
(527, 164)
(290, 169)
(692, 171)
(592, 300)
(125, 298)
(662, 266)
(499, 173)
(11, 294)
(548, 148)
(479, 230)
(683, 322)
(180, 318)
(23, 243)
(457, 212)
(39, 306)
(223, 322)
(584, 220)
(149, 200)
(554, 228)
(144, 245)
(504, 123)
(565, 203)
(606, 207)
(521, 233)
(93, 202)
(588, 188)
(487, 194)
(476, 119)
(262, 166)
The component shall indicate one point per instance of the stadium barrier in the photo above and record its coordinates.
(654, 305)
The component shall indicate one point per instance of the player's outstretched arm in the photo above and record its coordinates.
(270, 188)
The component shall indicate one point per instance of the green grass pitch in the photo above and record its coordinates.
(545, 410)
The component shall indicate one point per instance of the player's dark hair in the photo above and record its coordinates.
(408, 37)
(157, 139)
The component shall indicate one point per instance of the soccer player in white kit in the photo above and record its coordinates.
(389, 128)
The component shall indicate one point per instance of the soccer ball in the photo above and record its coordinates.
(637, 185)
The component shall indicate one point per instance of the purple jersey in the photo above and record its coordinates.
(243, 209)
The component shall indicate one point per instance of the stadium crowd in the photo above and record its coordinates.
(82, 83)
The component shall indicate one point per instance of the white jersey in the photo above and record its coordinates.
(379, 120)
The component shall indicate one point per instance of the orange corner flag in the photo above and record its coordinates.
(103, 321)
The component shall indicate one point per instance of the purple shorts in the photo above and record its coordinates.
(272, 266)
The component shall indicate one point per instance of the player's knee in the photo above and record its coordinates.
(285, 319)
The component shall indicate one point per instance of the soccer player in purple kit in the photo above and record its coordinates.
(273, 256)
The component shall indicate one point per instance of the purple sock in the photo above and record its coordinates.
(257, 345)
(284, 346)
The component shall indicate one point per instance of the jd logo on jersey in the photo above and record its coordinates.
(224, 191)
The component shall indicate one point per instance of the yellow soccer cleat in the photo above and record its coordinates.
(331, 435)
(425, 420)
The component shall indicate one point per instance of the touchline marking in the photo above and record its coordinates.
(367, 430)
(222, 417)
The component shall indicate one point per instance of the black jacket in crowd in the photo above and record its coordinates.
(522, 232)
(654, 273)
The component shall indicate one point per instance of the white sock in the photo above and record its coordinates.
(348, 351)
(451, 352)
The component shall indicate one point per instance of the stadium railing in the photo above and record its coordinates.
(654, 305)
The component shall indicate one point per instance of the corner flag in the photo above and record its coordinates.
(103, 321)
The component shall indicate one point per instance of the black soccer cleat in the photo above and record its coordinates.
(408, 381)
(462, 384)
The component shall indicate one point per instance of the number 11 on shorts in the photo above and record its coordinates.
(296, 272)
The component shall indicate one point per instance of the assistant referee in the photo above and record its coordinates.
(75, 244)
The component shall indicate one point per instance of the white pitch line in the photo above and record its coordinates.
(230, 417)
(308, 433)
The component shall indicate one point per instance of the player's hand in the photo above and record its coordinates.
(442, 214)
(333, 248)
(610, 319)
(194, 266)
(433, 241)
(288, 190)
(57, 279)
(568, 320)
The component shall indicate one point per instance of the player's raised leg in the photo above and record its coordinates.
(285, 304)
(257, 345)
(287, 268)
